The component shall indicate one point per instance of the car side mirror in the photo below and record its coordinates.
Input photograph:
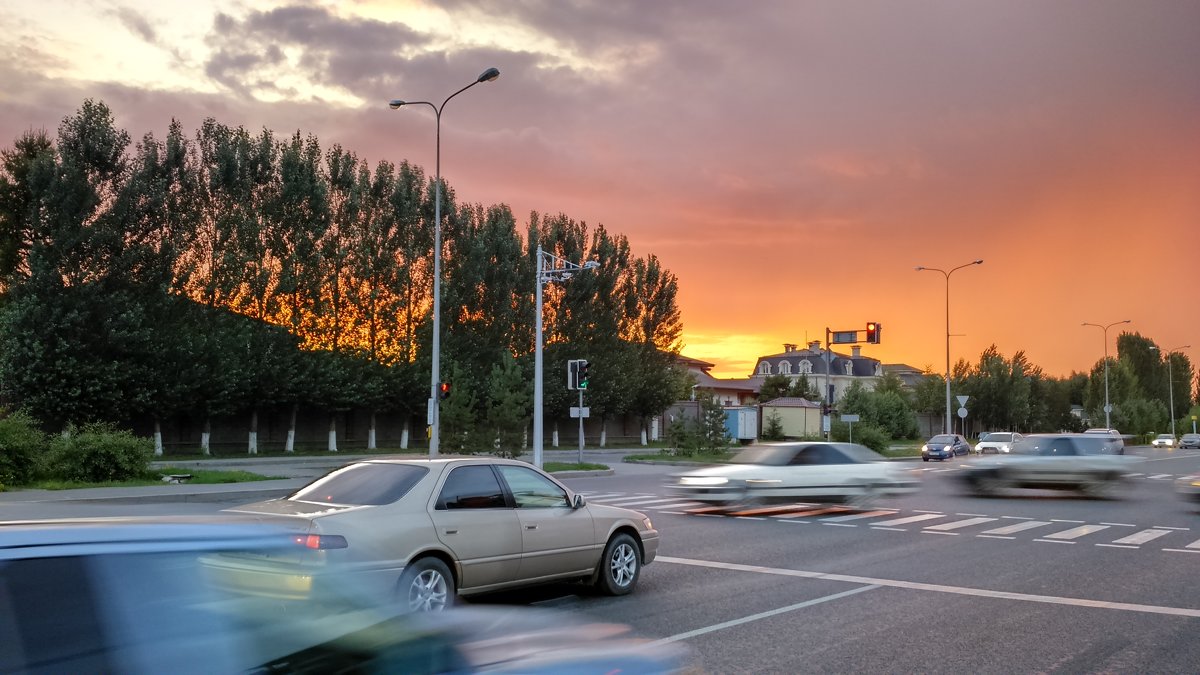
(577, 502)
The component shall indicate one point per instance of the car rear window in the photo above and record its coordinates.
(366, 484)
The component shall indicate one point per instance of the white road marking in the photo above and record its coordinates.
(1194, 544)
(840, 524)
(856, 516)
(992, 536)
(1142, 537)
(960, 523)
(920, 511)
(1161, 476)
(1017, 517)
(602, 495)
(951, 534)
(1119, 524)
(1164, 527)
(1054, 541)
(1117, 546)
(1076, 532)
(629, 500)
(653, 500)
(761, 615)
(910, 519)
(936, 588)
(1182, 550)
(981, 515)
(1019, 527)
(889, 529)
(1134, 475)
(1056, 520)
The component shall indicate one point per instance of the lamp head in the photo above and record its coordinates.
(978, 262)
(919, 268)
(590, 265)
(489, 75)
(395, 103)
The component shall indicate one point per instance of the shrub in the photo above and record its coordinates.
(99, 453)
(21, 447)
(869, 435)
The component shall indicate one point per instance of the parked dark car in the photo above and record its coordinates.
(945, 446)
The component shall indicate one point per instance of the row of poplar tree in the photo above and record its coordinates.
(226, 272)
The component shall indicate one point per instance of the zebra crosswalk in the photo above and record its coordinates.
(985, 526)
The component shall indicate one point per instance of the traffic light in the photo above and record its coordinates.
(583, 374)
(444, 390)
(873, 330)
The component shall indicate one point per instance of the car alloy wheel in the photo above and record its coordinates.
(427, 586)
(620, 566)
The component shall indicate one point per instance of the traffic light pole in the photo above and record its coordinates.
(581, 426)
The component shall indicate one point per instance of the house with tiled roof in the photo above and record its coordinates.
(728, 392)
(828, 370)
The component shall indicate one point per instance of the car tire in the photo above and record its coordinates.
(426, 586)
(924, 459)
(1102, 487)
(620, 566)
(988, 485)
(863, 500)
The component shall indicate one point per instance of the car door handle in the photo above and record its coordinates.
(451, 531)
(531, 526)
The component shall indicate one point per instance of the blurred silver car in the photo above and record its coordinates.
(428, 530)
(787, 472)
(1084, 462)
(147, 596)
(997, 442)
(1189, 441)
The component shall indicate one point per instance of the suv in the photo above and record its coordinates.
(1116, 444)
(1189, 441)
(998, 442)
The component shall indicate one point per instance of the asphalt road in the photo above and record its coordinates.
(933, 582)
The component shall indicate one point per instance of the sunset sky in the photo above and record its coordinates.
(791, 161)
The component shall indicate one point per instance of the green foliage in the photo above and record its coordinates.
(887, 410)
(773, 387)
(460, 429)
(1139, 416)
(713, 437)
(96, 453)
(682, 437)
(772, 427)
(874, 437)
(508, 407)
(22, 445)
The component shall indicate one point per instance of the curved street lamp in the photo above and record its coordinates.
(1107, 406)
(433, 418)
(549, 268)
(949, 425)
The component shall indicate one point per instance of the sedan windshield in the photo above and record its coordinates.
(764, 454)
(942, 439)
(365, 484)
(997, 437)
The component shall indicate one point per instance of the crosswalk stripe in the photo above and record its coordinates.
(1160, 476)
(910, 519)
(1194, 544)
(960, 523)
(808, 513)
(656, 500)
(1141, 537)
(771, 510)
(1019, 527)
(677, 505)
(856, 516)
(602, 495)
(1076, 532)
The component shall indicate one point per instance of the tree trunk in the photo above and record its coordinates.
(371, 433)
(554, 436)
(205, 436)
(253, 447)
(290, 445)
(333, 432)
(158, 450)
(404, 435)
(603, 433)
(645, 441)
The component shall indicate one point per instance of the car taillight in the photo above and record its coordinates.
(320, 542)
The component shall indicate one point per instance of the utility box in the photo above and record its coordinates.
(741, 424)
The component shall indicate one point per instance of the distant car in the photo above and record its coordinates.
(1083, 462)
(429, 530)
(1163, 441)
(945, 446)
(997, 442)
(1190, 441)
(1116, 442)
(785, 472)
(147, 596)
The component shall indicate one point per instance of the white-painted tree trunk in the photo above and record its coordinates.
(205, 437)
(252, 448)
(290, 444)
(332, 432)
(603, 434)
(644, 440)
(371, 433)
(554, 437)
(158, 451)
(404, 436)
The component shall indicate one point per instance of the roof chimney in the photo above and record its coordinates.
(855, 352)
(788, 347)
(815, 345)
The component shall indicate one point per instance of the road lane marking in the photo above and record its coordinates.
(1134, 475)
(856, 516)
(1117, 546)
(960, 523)
(762, 615)
(840, 524)
(1054, 541)
(920, 511)
(652, 500)
(1076, 532)
(992, 536)
(811, 512)
(911, 519)
(1142, 537)
(1194, 544)
(981, 515)
(1019, 527)
(1018, 517)
(889, 529)
(1056, 520)
(1164, 527)
(1119, 524)
(937, 588)
(1182, 550)
(783, 509)
(950, 534)
(1161, 476)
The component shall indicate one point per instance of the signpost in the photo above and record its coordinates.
(850, 420)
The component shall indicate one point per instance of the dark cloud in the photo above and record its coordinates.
(136, 23)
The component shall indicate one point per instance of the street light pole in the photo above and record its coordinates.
(1171, 386)
(433, 416)
(549, 268)
(949, 424)
(1107, 407)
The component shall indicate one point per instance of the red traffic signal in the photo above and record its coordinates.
(444, 390)
(873, 330)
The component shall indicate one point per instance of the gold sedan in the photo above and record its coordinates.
(426, 531)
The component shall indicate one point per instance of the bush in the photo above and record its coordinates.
(99, 453)
(21, 447)
(875, 438)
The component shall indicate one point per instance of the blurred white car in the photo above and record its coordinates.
(997, 442)
(787, 472)
(1163, 441)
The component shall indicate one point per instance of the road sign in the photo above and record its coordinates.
(1107, 407)
(575, 411)
(845, 337)
(962, 400)
(962, 412)
(849, 418)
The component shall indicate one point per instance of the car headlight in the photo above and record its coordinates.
(703, 480)
(924, 448)
(946, 448)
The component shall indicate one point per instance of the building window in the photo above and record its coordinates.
(806, 367)
(785, 368)
(764, 368)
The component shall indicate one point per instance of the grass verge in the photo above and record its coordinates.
(552, 467)
(153, 477)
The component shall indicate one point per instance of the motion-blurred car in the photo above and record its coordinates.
(786, 472)
(1188, 487)
(1083, 462)
(944, 446)
(997, 442)
(1116, 442)
(430, 530)
(1163, 441)
(149, 596)
(1190, 441)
